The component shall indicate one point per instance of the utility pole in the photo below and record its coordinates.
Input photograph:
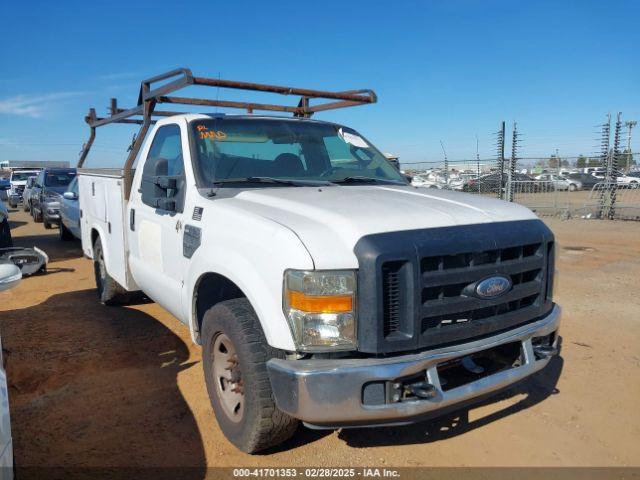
(629, 124)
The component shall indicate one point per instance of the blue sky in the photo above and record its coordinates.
(443, 70)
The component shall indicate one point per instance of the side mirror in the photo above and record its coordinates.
(10, 276)
(157, 187)
(70, 195)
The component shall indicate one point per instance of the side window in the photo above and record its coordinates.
(165, 158)
(73, 186)
(167, 145)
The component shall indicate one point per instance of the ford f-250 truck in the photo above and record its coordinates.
(321, 286)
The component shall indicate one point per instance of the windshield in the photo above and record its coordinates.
(21, 176)
(58, 179)
(236, 149)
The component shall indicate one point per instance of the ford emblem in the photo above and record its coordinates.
(493, 286)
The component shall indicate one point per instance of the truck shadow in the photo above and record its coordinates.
(97, 388)
(55, 248)
(15, 224)
(535, 390)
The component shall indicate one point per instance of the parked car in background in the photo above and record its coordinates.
(628, 180)
(559, 183)
(583, 181)
(69, 224)
(598, 172)
(491, 183)
(46, 194)
(425, 181)
(26, 194)
(5, 230)
(5, 186)
(18, 181)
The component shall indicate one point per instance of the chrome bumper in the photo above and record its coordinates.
(328, 393)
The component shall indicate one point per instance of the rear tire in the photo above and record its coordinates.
(243, 403)
(109, 291)
(572, 187)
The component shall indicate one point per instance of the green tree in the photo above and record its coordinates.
(594, 162)
(626, 159)
(582, 161)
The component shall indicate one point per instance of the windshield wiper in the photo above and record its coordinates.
(359, 179)
(282, 181)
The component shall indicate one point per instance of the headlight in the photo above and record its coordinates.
(320, 308)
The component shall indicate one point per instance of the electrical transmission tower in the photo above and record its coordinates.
(513, 162)
(500, 161)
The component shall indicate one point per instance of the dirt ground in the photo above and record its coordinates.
(106, 386)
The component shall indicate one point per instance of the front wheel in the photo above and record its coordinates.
(64, 232)
(573, 187)
(5, 234)
(37, 215)
(235, 355)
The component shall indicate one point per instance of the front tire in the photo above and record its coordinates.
(235, 355)
(37, 216)
(572, 187)
(5, 234)
(65, 234)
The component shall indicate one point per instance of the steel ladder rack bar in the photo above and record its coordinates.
(181, 78)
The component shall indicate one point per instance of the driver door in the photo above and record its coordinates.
(156, 230)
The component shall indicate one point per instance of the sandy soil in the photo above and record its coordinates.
(98, 386)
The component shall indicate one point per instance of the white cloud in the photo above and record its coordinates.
(33, 105)
(117, 76)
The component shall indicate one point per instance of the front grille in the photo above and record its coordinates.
(425, 289)
(391, 298)
(445, 304)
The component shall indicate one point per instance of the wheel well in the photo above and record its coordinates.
(94, 237)
(211, 289)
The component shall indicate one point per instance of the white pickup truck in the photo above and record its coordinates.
(321, 286)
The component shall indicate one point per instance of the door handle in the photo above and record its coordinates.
(132, 220)
(178, 226)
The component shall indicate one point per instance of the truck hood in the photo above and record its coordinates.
(330, 220)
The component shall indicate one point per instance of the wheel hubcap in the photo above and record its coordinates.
(227, 377)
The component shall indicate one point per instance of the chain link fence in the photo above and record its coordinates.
(562, 191)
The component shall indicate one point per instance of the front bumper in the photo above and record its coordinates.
(328, 393)
(51, 211)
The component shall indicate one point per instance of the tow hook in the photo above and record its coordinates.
(542, 352)
(423, 390)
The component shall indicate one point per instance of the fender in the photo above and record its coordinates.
(255, 266)
(105, 251)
